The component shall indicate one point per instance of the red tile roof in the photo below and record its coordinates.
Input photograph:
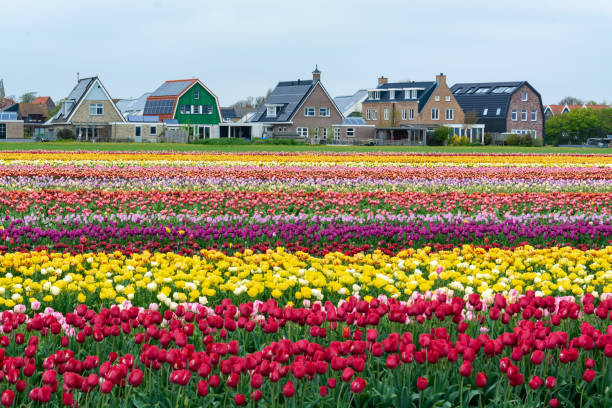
(556, 109)
(41, 100)
(598, 107)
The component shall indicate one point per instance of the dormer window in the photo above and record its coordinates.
(271, 111)
(498, 112)
(391, 94)
(374, 95)
(196, 94)
(485, 111)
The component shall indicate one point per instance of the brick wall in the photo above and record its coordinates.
(126, 131)
(533, 103)
(442, 91)
(82, 114)
(317, 99)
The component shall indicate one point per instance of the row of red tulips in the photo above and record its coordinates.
(442, 350)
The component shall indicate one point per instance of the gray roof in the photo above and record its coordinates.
(172, 88)
(492, 96)
(288, 95)
(423, 94)
(346, 101)
(77, 93)
(133, 105)
(354, 121)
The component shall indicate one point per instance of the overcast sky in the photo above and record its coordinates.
(240, 48)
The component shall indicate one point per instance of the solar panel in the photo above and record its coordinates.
(171, 88)
(8, 115)
(159, 107)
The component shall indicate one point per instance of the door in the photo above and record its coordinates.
(138, 134)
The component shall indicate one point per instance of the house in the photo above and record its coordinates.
(5, 103)
(33, 116)
(503, 107)
(45, 100)
(11, 127)
(553, 110)
(88, 111)
(188, 102)
(138, 128)
(229, 115)
(133, 107)
(350, 105)
(303, 109)
(405, 112)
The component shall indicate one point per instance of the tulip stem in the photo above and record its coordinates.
(461, 392)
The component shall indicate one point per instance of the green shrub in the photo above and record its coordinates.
(513, 139)
(488, 138)
(66, 134)
(439, 136)
(526, 140)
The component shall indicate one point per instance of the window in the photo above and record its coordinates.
(386, 113)
(137, 131)
(324, 133)
(350, 132)
(485, 111)
(435, 114)
(182, 109)
(196, 94)
(302, 131)
(450, 114)
(524, 115)
(310, 111)
(323, 111)
(534, 115)
(391, 94)
(271, 111)
(337, 133)
(153, 130)
(514, 115)
(367, 114)
(437, 98)
(498, 112)
(447, 98)
(316, 133)
(458, 90)
(503, 89)
(374, 95)
(96, 109)
(411, 114)
(375, 114)
(524, 96)
(2, 130)
(482, 90)
(414, 94)
(403, 114)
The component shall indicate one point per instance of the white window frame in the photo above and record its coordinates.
(367, 114)
(452, 114)
(325, 112)
(485, 112)
(524, 115)
(137, 129)
(2, 130)
(324, 132)
(182, 110)
(196, 94)
(350, 132)
(411, 114)
(524, 96)
(435, 114)
(391, 94)
(498, 112)
(375, 114)
(153, 130)
(447, 98)
(271, 111)
(404, 114)
(437, 98)
(302, 131)
(308, 110)
(534, 115)
(337, 133)
(96, 109)
(386, 113)
(514, 115)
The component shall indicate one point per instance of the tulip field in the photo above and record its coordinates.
(305, 279)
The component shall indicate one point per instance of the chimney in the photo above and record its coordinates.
(316, 74)
(441, 79)
(382, 80)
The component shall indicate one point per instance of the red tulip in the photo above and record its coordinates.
(347, 374)
(589, 363)
(256, 395)
(589, 375)
(323, 391)
(7, 398)
(358, 385)
(239, 399)
(481, 380)
(288, 389)
(135, 377)
(535, 382)
(331, 383)
(202, 388)
(106, 386)
(422, 383)
(256, 380)
(67, 399)
(466, 369)
(537, 357)
(550, 382)
(553, 403)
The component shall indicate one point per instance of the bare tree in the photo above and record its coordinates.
(571, 100)
(28, 97)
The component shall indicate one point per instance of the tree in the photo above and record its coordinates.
(571, 100)
(440, 136)
(28, 97)
(253, 103)
(575, 127)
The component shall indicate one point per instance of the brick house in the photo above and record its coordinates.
(88, 111)
(45, 100)
(503, 107)
(304, 109)
(405, 112)
(10, 126)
